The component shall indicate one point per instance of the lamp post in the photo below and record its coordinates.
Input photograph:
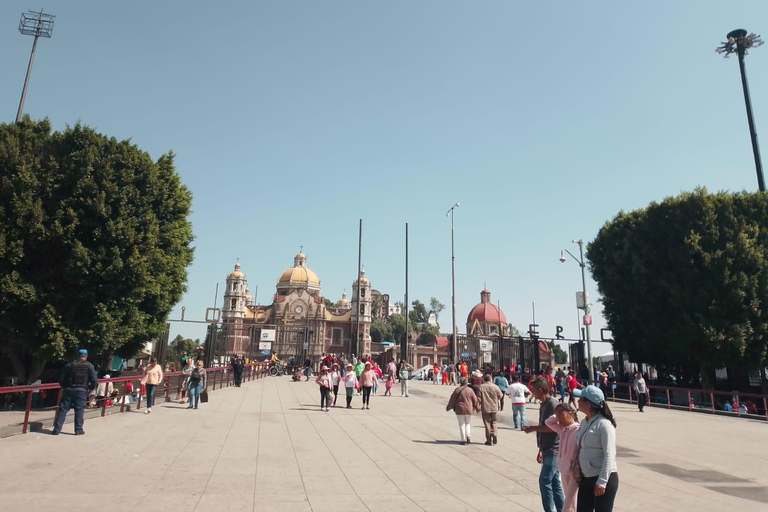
(455, 341)
(739, 43)
(580, 261)
(38, 24)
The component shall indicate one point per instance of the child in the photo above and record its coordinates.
(375, 383)
(565, 423)
(390, 382)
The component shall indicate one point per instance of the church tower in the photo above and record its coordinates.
(361, 309)
(235, 295)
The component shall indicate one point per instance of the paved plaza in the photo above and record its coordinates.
(266, 446)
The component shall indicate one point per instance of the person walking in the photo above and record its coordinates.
(186, 371)
(444, 374)
(237, 368)
(597, 453)
(325, 381)
(565, 423)
(517, 393)
(388, 385)
(502, 383)
(435, 374)
(197, 384)
(335, 380)
(350, 383)
(307, 369)
(464, 369)
(76, 380)
(452, 374)
(463, 402)
(359, 368)
(573, 383)
(154, 375)
(391, 368)
(641, 388)
(406, 372)
(367, 378)
(490, 396)
(552, 497)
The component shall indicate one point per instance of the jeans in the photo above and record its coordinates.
(194, 394)
(642, 401)
(71, 397)
(151, 389)
(588, 502)
(518, 410)
(324, 397)
(464, 426)
(404, 387)
(561, 390)
(367, 395)
(552, 496)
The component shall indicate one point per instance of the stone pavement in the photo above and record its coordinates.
(266, 446)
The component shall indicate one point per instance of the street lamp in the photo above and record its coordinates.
(587, 323)
(454, 343)
(38, 24)
(739, 43)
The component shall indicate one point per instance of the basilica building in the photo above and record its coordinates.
(299, 322)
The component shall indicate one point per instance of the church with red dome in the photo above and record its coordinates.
(486, 319)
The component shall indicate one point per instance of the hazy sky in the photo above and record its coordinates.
(293, 119)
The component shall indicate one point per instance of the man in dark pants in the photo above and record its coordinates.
(77, 378)
(237, 368)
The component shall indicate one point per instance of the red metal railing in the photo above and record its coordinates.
(221, 375)
(623, 392)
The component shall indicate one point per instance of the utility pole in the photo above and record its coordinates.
(739, 43)
(454, 341)
(359, 271)
(587, 320)
(404, 346)
(38, 24)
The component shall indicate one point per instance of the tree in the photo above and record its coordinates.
(436, 306)
(94, 244)
(381, 331)
(418, 313)
(561, 356)
(329, 303)
(397, 323)
(181, 345)
(684, 283)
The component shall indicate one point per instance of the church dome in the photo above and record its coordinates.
(236, 274)
(343, 302)
(299, 275)
(486, 311)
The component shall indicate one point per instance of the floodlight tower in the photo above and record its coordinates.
(739, 42)
(38, 24)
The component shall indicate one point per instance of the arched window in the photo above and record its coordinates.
(362, 292)
(234, 304)
(234, 287)
(362, 309)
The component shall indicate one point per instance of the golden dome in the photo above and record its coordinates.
(363, 279)
(299, 275)
(343, 302)
(236, 273)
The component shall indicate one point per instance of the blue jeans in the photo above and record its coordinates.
(194, 394)
(518, 410)
(561, 390)
(552, 497)
(71, 397)
(151, 389)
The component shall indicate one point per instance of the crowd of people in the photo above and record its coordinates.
(578, 459)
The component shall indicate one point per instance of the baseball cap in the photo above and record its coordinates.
(591, 393)
(83, 352)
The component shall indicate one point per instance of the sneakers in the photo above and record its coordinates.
(494, 439)
(488, 443)
(81, 433)
(54, 432)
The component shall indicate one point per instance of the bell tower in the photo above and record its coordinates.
(235, 295)
(361, 310)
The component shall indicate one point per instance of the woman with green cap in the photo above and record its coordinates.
(597, 452)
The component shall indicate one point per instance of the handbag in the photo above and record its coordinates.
(204, 396)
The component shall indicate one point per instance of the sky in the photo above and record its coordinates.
(292, 120)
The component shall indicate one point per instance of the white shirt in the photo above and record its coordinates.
(335, 376)
(517, 393)
(350, 379)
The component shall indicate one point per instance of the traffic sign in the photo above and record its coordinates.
(265, 352)
(587, 320)
(465, 355)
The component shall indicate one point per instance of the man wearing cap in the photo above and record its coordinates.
(77, 378)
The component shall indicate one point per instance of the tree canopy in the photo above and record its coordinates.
(685, 281)
(94, 243)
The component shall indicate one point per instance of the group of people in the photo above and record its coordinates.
(361, 377)
(449, 374)
(578, 459)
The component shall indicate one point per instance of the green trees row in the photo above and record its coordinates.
(94, 244)
(685, 283)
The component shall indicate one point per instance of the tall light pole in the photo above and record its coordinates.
(38, 24)
(739, 43)
(455, 341)
(587, 318)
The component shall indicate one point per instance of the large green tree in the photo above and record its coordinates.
(381, 331)
(685, 283)
(94, 243)
(181, 345)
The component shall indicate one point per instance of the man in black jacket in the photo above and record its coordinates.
(237, 367)
(77, 378)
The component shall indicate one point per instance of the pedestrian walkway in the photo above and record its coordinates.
(266, 446)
